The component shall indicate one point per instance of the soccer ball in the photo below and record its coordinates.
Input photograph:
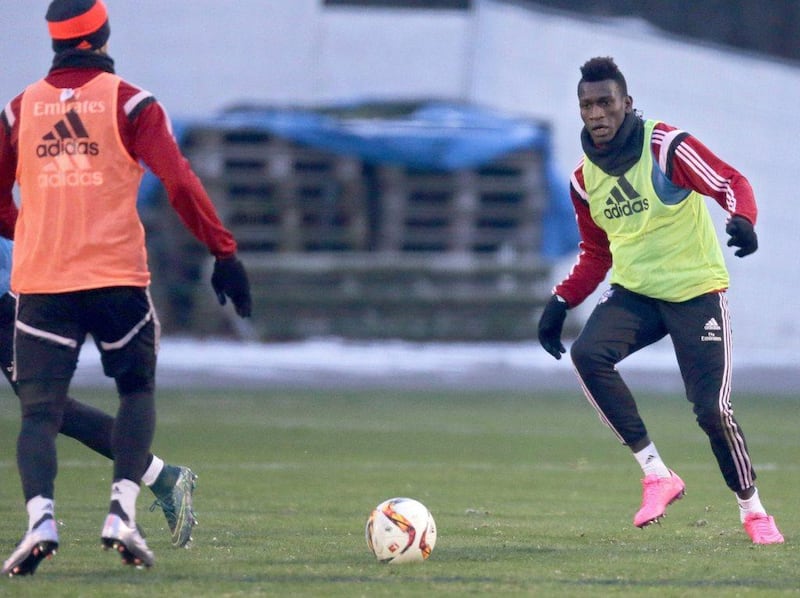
(401, 530)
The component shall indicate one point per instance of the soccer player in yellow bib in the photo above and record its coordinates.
(638, 194)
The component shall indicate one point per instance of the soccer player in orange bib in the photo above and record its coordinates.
(74, 141)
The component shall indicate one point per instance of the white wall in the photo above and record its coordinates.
(195, 55)
(198, 56)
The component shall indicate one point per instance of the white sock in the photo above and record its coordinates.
(125, 492)
(38, 507)
(751, 505)
(155, 467)
(650, 462)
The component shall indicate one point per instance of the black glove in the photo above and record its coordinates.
(742, 235)
(230, 278)
(550, 325)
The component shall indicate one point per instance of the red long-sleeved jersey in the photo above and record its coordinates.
(147, 135)
(687, 163)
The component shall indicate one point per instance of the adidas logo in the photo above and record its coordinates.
(68, 137)
(711, 336)
(68, 146)
(624, 201)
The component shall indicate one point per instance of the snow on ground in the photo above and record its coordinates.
(340, 363)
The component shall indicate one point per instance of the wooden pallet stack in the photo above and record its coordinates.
(338, 247)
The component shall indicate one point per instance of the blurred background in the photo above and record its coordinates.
(399, 169)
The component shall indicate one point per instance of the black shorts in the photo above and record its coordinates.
(51, 329)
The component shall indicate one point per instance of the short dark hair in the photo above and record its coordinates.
(602, 68)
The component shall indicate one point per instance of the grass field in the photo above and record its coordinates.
(532, 496)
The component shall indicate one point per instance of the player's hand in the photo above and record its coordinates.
(742, 235)
(551, 324)
(230, 280)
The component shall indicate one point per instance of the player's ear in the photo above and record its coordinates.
(628, 104)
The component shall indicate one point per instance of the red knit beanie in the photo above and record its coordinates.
(81, 24)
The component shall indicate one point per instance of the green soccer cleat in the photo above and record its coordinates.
(177, 507)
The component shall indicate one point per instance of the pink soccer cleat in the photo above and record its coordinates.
(657, 494)
(762, 529)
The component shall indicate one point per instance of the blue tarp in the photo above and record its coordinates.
(431, 135)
